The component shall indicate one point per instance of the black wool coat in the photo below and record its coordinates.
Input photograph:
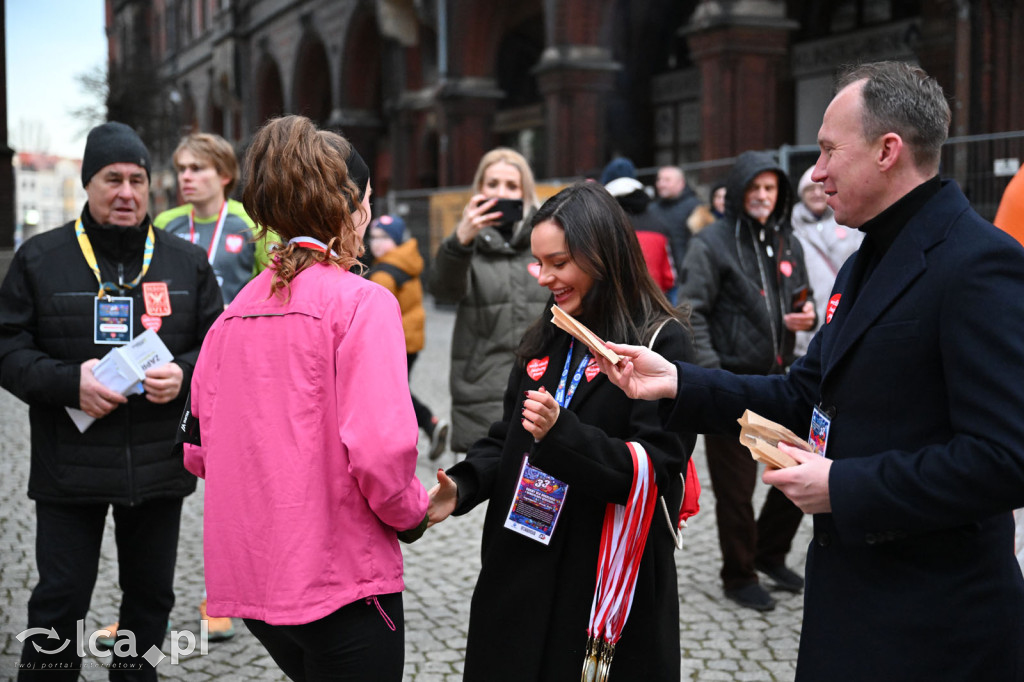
(912, 575)
(531, 605)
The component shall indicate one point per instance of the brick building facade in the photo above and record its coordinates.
(424, 87)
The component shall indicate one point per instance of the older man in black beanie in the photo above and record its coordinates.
(72, 295)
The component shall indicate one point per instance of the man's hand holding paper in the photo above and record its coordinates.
(163, 384)
(95, 399)
(792, 466)
(806, 483)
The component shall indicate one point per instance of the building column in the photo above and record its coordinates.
(7, 218)
(465, 119)
(740, 48)
(575, 81)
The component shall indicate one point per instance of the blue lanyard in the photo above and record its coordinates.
(561, 397)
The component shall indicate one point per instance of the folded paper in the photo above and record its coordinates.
(579, 331)
(762, 437)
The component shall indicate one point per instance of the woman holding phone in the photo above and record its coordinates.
(484, 267)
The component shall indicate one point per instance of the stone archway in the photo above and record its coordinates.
(313, 80)
(189, 112)
(360, 117)
(360, 84)
(215, 111)
(269, 91)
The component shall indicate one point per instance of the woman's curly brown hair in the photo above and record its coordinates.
(298, 185)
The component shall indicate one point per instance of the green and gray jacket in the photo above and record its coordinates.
(238, 257)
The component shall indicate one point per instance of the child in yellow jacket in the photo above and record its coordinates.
(397, 265)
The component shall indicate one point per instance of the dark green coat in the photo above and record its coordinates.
(497, 300)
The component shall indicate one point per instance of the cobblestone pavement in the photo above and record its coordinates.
(720, 641)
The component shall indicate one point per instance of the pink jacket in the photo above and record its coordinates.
(309, 448)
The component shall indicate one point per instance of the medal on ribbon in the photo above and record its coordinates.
(623, 538)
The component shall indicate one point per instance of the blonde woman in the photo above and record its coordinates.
(484, 267)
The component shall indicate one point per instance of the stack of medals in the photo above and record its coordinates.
(598, 662)
(622, 546)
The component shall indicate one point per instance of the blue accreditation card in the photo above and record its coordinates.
(820, 423)
(536, 504)
(112, 320)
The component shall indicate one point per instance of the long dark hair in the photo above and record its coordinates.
(624, 304)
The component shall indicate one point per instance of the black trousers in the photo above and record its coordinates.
(68, 540)
(424, 417)
(361, 642)
(743, 540)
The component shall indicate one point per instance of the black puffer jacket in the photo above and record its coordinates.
(46, 332)
(740, 278)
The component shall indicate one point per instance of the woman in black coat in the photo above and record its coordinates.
(531, 607)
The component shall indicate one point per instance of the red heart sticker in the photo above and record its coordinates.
(152, 322)
(592, 371)
(833, 303)
(786, 268)
(535, 368)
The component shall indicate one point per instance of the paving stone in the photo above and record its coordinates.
(719, 640)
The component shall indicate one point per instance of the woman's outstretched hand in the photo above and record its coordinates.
(540, 412)
(443, 497)
(640, 373)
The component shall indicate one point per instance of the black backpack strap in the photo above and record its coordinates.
(398, 274)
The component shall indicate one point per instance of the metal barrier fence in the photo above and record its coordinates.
(981, 164)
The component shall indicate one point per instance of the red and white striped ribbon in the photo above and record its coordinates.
(622, 546)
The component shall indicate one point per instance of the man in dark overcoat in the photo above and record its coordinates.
(916, 381)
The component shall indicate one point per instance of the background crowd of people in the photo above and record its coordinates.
(856, 300)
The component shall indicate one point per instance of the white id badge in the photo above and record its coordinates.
(820, 423)
(113, 316)
(537, 503)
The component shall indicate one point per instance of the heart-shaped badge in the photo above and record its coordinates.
(534, 269)
(535, 368)
(592, 371)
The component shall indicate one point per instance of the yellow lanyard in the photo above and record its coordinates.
(90, 258)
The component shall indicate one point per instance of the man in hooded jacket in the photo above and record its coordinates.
(745, 278)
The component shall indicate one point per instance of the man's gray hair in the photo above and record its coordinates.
(901, 98)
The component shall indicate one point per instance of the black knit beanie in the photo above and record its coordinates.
(109, 143)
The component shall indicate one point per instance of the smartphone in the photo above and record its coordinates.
(798, 300)
(511, 210)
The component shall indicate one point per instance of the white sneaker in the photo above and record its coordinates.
(438, 439)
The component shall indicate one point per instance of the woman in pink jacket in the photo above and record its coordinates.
(307, 484)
